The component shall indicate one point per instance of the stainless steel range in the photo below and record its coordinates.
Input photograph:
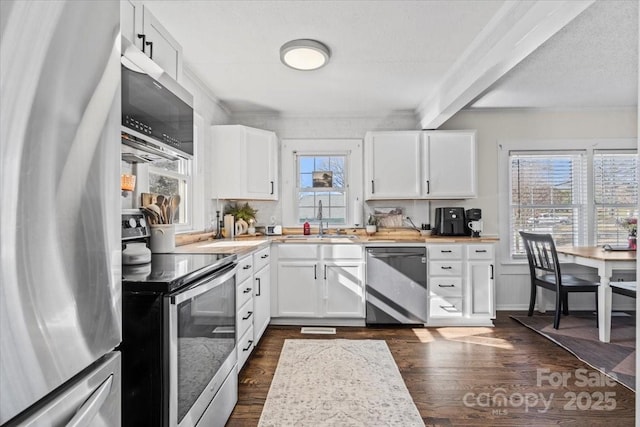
(179, 352)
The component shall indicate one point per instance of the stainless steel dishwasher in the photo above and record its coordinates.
(396, 285)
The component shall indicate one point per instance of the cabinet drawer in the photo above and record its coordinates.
(445, 268)
(244, 292)
(244, 317)
(479, 251)
(445, 307)
(445, 251)
(245, 346)
(261, 259)
(446, 286)
(342, 252)
(245, 269)
(297, 251)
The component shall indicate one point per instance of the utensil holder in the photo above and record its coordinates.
(163, 238)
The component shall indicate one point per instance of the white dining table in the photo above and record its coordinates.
(605, 262)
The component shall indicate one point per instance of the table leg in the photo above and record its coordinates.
(604, 304)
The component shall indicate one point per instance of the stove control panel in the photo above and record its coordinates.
(134, 225)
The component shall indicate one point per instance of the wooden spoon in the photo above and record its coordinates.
(158, 212)
(174, 203)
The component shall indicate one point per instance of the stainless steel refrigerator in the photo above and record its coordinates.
(60, 282)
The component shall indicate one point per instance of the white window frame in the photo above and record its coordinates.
(551, 145)
(291, 148)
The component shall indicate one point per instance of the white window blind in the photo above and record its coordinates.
(548, 192)
(615, 194)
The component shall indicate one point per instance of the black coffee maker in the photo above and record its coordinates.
(450, 222)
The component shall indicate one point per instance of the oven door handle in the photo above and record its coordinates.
(205, 285)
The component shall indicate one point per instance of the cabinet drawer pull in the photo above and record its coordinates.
(373, 187)
(447, 286)
(271, 187)
(265, 256)
(444, 267)
(445, 251)
(428, 187)
(315, 272)
(491, 271)
(249, 313)
(444, 307)
(246, 290)
(481, 251)
(259, 288)
(250, 342)
(246, 267)
(325, 272)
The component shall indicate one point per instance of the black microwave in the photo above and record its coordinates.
(157, 113)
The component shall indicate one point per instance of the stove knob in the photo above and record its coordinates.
(132, 223)
(142, 222)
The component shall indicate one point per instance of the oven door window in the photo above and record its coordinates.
(206, 338)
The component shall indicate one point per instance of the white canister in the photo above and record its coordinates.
(229, 226)
(163, 238)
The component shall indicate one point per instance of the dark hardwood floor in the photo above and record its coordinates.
(454, 374)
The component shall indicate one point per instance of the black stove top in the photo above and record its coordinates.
(169, 272)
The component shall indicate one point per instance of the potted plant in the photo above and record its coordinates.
(243, 214)
(372, 225)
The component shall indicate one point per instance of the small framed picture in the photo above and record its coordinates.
(322, 179)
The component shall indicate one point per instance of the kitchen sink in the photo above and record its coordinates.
(322, 237)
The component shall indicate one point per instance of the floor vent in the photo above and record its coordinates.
(317, 330)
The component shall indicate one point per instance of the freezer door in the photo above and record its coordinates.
(92, 399)
(60, 271)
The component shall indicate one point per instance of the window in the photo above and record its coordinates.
(615, 194)
(172, 178)
(322, 181)
(548, 195)
(578, 196)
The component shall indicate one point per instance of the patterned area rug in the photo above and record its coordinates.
(337, 382)
(578, 334)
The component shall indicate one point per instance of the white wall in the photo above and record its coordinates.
(496, 126)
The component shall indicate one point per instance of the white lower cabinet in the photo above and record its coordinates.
(319, 281)
(253, 311)
(461, 284)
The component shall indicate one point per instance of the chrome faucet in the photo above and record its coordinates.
(319, 217)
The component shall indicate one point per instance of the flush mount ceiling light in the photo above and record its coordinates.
(304, 54)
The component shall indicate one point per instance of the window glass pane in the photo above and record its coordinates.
(615, 194)
(548, 195)
(328, 188)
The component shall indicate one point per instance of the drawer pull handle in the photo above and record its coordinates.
(491, 272)
(481, 251)
(246, 267)
(445, 307)
(259, 287)
(445, 252)
(447, 286)
(272, 188)
(265, 256)
(249, 313)
(250, 342)
(446, 267)
(246, 291)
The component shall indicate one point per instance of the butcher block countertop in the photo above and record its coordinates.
(244, 244)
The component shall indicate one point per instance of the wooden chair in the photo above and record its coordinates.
(544, 269)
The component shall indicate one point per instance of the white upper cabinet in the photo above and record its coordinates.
(141, 28)
(392, 165)
(449, 165)
(244, 163)
(420, 165)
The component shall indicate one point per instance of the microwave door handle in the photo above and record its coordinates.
(88, 411)
(203, 286)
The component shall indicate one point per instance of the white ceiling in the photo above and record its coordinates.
(392, 56)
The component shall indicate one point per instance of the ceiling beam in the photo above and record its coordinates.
(516, 30)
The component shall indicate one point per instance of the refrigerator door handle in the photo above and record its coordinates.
(87, 412)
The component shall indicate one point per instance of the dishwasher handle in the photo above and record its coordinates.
(396, 254)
